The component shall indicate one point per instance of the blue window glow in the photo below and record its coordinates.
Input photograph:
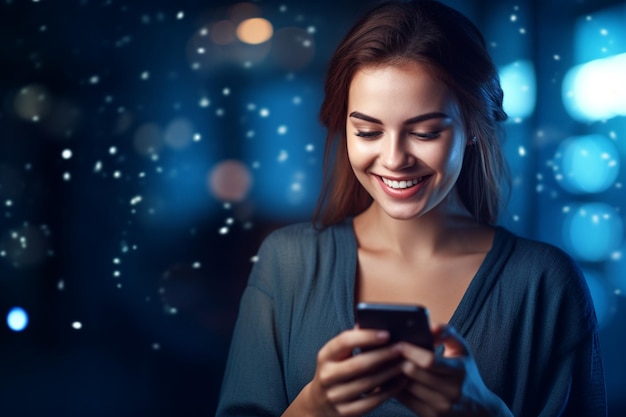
(596, 90)
(593, 232)
(600, 34)
(17, 319)
(587, 164)
(520, 89)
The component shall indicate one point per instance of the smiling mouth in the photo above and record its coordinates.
(399, 185)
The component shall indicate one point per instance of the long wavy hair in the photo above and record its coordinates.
(453, 50)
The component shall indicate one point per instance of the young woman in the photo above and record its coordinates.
(408, 216)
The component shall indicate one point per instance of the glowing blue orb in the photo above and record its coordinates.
(587, 164)
(596, 90)
(520, 88)
(593, 232)
(600, 296)
(17, 319)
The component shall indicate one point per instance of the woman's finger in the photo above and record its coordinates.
(454, 344)
(342, 346)
(331, 372)
(447, 383)
(368, 384)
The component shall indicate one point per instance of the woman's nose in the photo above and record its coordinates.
(395, 155)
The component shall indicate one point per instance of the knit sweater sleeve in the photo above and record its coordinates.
(254, 384)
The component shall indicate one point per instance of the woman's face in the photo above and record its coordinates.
(405, 138)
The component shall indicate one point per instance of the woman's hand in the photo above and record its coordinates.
(351, 385)
(446, 386)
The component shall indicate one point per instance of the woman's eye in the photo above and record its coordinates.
(367, 134)
(428, 135)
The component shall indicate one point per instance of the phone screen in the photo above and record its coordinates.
(404, 322)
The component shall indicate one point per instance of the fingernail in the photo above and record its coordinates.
(383, 335)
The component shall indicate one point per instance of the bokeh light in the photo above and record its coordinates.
(254, 31)
(179, 133)
(242, 11)
(587, 164)
(62, 118)
(596, 90)
(148, 139)
(520, 88)
(600, 35)
(17, 319)
(230, 181)
(32, 102)
(593, 231)
(600, 295)
(292, 48)
(27, 245)
(223, 32)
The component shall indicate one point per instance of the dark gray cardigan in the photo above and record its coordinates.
(527, 317)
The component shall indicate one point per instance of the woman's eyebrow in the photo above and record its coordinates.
(412, 120)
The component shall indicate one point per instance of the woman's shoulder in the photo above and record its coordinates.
(543, 263)
(290, 253)
(536, 253)
(306, 236)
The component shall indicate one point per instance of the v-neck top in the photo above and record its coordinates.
(527, 317)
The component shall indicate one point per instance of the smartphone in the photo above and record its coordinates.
(404, 322)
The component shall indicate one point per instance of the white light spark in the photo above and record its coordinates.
(282, 156)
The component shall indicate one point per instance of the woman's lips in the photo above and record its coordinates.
(404, 188)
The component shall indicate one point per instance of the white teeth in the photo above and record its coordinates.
(402, 184)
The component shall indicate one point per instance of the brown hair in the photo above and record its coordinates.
(453, 49)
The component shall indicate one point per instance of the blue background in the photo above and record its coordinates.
(126, 266)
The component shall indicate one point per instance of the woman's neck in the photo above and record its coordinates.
(441, 231)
